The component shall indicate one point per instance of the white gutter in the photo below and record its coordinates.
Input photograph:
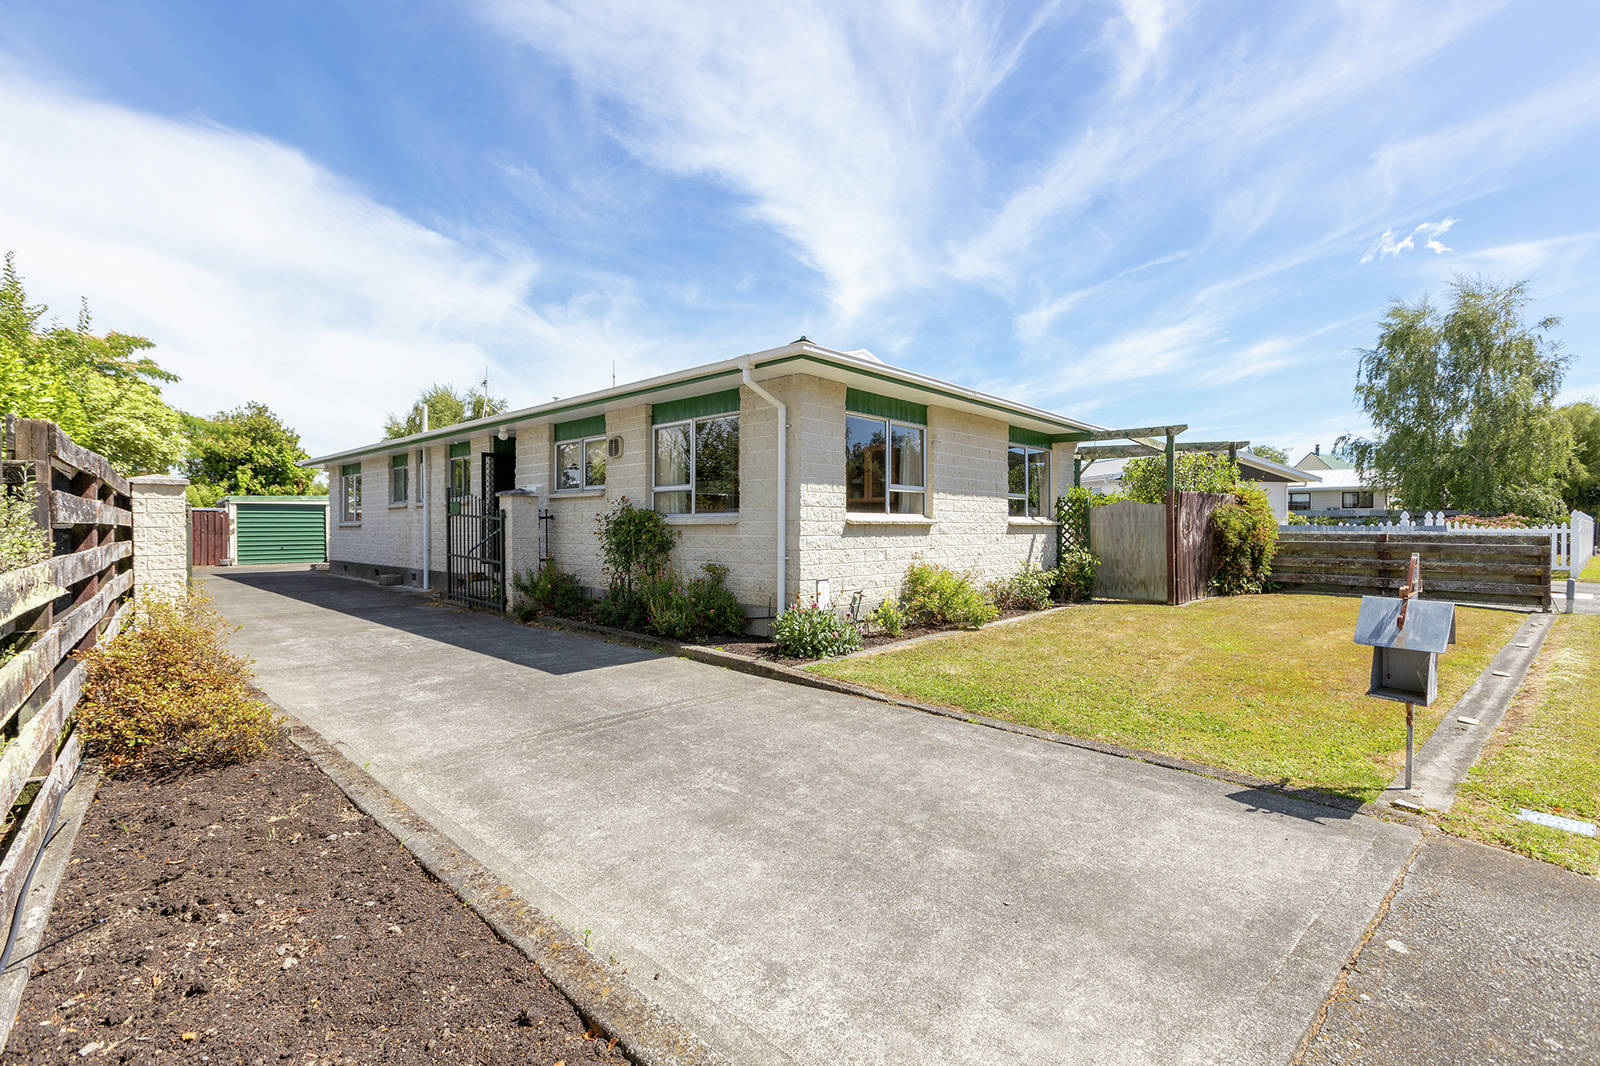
(783, 482)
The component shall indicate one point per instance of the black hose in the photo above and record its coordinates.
(27, 882)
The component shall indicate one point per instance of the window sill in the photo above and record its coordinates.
(866, 518)
(1015, 520)
(720, 518)
(576, 494)
(349, 525)
(398, 506)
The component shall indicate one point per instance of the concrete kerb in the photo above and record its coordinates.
(778, 672)
(602, 994)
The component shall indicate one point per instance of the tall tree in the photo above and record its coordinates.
(246, 451)
(446, 406)
(1270, 451)
(1583, 483)
(1463, 404)
(101, 389)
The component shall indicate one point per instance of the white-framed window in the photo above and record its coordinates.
(885, 465)
(1352, 500)
(399, 479)
(696, 466)
(581, 464)
(1028, 481)
(350, 492)
(1299, 501)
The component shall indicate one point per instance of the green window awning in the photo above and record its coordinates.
(461, 449)
(350, 468)
(1032, 437)
(579, 428)
(861, 402)
(398, 461)
(703, 406)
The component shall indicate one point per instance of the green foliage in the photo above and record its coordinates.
(1029, 589)
(1144, 479)
(939, 598)
(547, 590)
(1245, 537)
(635, 549)
(1072, 520)
(1462, 401)
(888, 618)
(447, 406)
(1075, 575)
(22, 541)
(168, 693)
(245, 452)
(696, 609)
(1270, 451)
(1538, 502)
(99, 389)
(811, 632)
(1582, 490)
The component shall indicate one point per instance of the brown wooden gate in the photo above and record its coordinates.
(1193, 558)
(208, 536)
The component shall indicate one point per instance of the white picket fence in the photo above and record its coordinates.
(1571, 542)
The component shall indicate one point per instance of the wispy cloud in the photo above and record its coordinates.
(1387, 246)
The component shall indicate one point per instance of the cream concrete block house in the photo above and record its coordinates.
(808, 472)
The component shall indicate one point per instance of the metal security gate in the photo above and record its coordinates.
(474, 549)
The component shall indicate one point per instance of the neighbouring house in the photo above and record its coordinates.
(1340, 490)
(806, 471)
(1275, 479)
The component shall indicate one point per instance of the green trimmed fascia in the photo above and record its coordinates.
(1031, 437)
(1072, 432)
(398, 461)
(858, 401)
(579, 428)
(349, 468)
(461, 449)
(702, 406)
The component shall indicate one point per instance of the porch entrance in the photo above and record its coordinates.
(475, 534)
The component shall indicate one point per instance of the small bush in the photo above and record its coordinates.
(1029, 589)
(888, 617)
(635, 546)
(168, 693)
(1245, 535)
(1144, 479)
(623, 609)
(22, 541)
(812, 632)
(695, 609)
(1075, 575)
(940, 598)
(548, 590)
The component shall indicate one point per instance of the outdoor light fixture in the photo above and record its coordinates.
(503, 433)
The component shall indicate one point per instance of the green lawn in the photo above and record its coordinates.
(1546, 756)
(1268, 685)
(1591, 571)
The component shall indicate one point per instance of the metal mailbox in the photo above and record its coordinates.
(1405, 654)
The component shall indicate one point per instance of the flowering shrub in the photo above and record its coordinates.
(1245, 535)
(1029, 589)
(1075, 574)
(549, 590)
(888, 617)
(702, 607)
(806, 631)
(939, 598)
(168, 692)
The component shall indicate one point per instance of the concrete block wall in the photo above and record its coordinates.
(388, 535)
(160, 536)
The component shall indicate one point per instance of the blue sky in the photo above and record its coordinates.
(1134, 213)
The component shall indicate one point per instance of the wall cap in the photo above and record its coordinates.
(158, 479)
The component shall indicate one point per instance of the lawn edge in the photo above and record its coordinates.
(777, 672)
(603, 997)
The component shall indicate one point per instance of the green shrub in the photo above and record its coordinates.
(1029, 589)
(548, 590)
(635, 545)
(812, 632)
(888, 617)
(939, 598)
(623, 610)
(1538, 502)
(1245, 536)
(1144, 479)
(1072, 519)
(694, 609)
(1075, 575)
(168, 693)
(22, 541)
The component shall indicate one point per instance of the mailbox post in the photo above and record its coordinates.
(1407, 636)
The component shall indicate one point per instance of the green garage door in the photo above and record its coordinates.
(282, 532)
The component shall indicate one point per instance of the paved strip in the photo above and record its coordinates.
(809, 877)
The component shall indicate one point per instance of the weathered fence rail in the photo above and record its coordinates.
(49, 610)
(1572, 543)
(1497, 568)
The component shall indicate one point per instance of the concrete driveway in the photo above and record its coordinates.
(802, 876)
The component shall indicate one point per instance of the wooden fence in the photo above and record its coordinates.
(1494, 568)
(208, 535)
(48, 611)
(1153, 552)
(1572, 543)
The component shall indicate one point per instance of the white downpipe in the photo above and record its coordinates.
(427, 502)
(783, 482)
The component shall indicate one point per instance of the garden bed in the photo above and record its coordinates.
(251, 914)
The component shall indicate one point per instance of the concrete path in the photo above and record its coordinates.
(803, 876)
(1484, 957)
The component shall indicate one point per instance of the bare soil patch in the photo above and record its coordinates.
(251, 914)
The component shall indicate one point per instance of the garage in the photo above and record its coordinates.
(278, 529)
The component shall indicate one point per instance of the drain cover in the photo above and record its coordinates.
(1556, 821)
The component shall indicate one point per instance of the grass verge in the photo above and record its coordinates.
(1591, 572)
(1545, 757)
(1267, 685)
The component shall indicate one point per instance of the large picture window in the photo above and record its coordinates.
(1027, 480)
(350, 492)
(1299, 501)
(885, 466)
(696, 465)
(581, 464)
(1352, 500)
(399, 479)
